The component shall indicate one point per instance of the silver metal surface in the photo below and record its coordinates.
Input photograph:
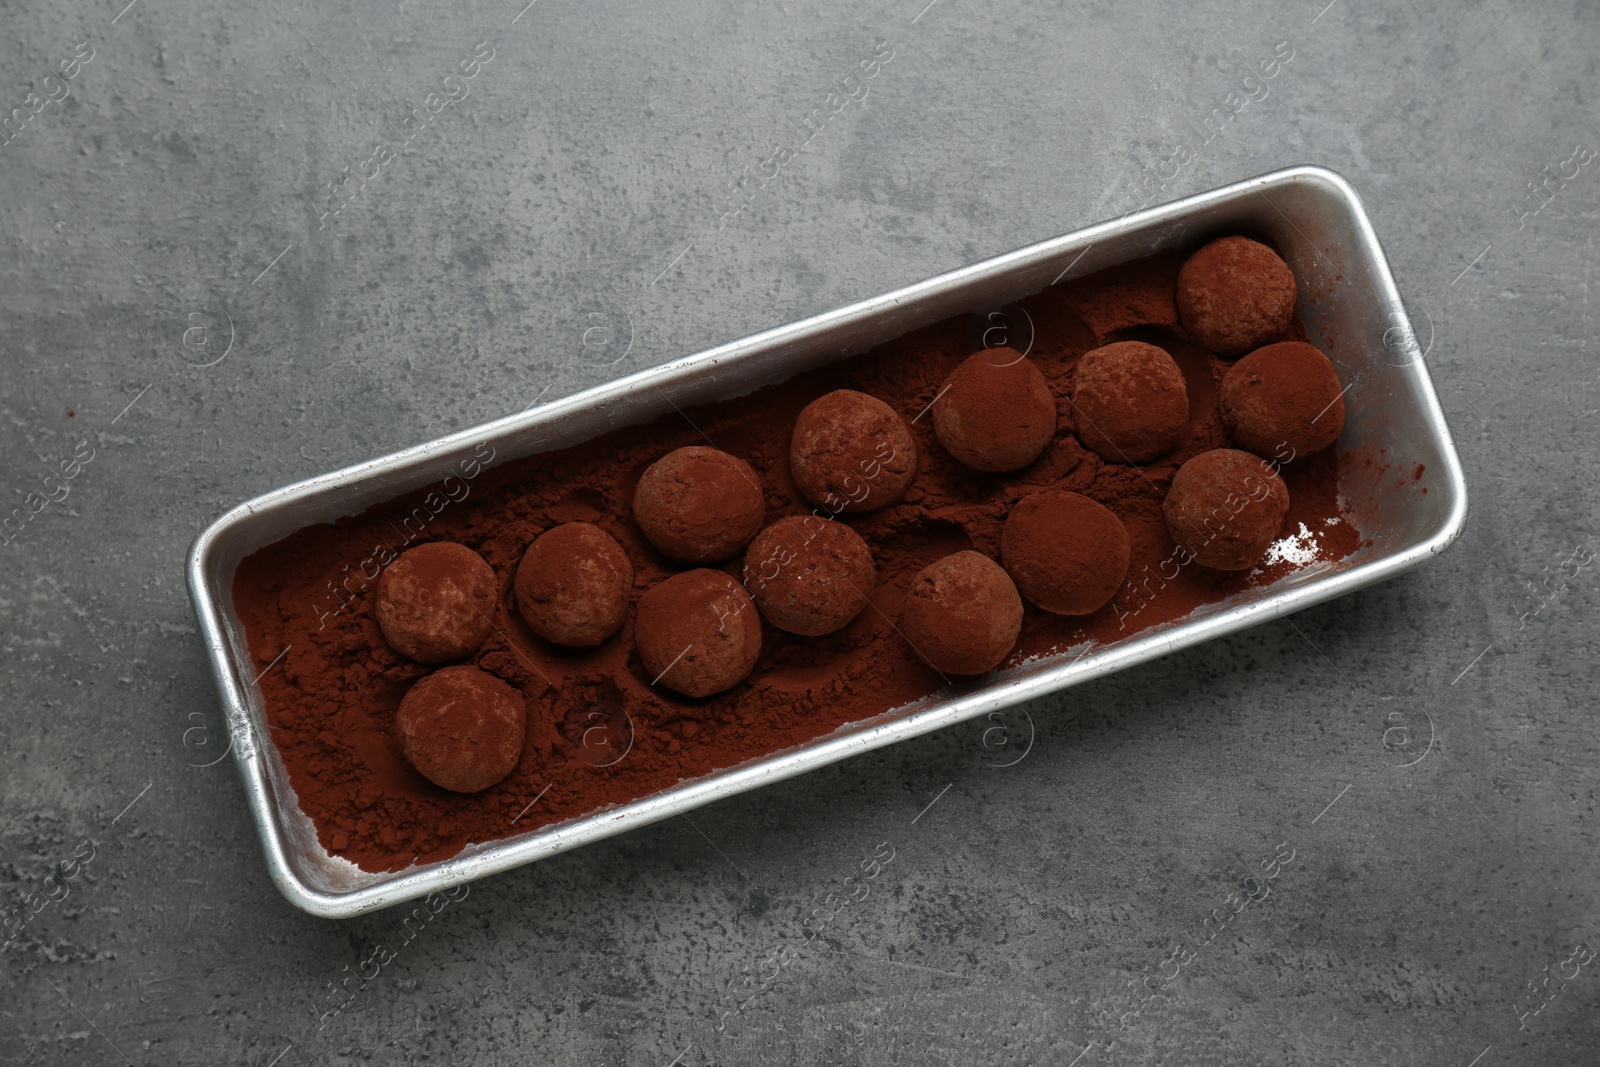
(1350, 307)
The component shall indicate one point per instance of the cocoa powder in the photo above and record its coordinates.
(598, 733)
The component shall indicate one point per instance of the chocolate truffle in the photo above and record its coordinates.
(1235, 294)
(1129, 402)
(809, 575)
(1067, 553)
(962, 614)
(462, 728)
(1225, 508)
(573, 585)
(697, 632)
(699, 504)
(1283, 401)
(852, 452)
(995, 412)
(436, 602)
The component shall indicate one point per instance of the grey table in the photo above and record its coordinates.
(235, 256)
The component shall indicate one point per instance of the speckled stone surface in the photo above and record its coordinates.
(186, 303)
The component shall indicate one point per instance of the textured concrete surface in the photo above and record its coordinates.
(185, 303)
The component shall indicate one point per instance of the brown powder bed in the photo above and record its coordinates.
(598, 733)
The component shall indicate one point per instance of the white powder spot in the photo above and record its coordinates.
(1298, 548)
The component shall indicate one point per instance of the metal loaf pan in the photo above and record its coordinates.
(1350, 308)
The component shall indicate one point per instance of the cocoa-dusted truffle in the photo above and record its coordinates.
(462, 728)
(962, 614)
(699, 504)
(809, 575)
(697, 632)
(995, 412)
(1235, 294)
(1283, 401)
(1067, 553)
(436, 602)
(1129, 402)
(573, 585)
(852, 452)
(1225, 508)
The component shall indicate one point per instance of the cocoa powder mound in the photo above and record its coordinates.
(598, 733)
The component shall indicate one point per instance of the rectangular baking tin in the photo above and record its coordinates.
(1347, 300)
